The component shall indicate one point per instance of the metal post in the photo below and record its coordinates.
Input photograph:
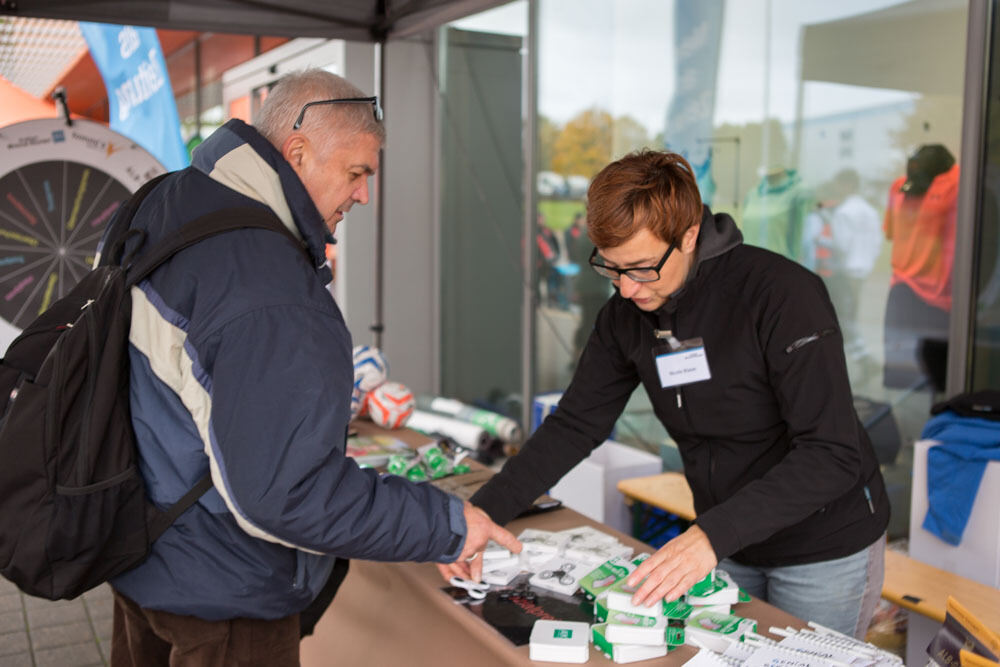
(969, 189)
(530, 88)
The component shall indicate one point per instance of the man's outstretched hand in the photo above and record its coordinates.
(480, 529)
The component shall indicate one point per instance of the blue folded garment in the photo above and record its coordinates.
(955, 469)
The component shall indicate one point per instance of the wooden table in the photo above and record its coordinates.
(396, 614)
(909, 583)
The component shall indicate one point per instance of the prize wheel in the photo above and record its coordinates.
(59, 186)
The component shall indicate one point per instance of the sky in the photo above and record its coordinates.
(618, 55)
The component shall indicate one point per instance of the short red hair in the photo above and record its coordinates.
(648, 189)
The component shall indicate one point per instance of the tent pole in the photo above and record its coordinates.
(530, 88)
(378, 326)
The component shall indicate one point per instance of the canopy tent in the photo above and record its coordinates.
(910, 46)
(356, 20)
(353, 20)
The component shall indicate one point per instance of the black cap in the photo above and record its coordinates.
(923, 166)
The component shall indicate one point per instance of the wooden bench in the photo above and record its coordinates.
(909, 583)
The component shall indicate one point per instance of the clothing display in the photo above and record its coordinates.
(774, 213)
(780, 468)
(920, 221)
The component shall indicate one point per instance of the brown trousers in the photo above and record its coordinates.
(148, 638)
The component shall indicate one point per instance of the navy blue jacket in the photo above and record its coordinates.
(241, 365)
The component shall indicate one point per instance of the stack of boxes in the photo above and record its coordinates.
(628, 633)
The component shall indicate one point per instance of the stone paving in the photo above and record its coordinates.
(67, 633)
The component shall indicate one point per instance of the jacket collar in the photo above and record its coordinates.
(717, 236)
(237, 156)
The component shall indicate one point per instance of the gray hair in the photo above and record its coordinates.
(327, 124)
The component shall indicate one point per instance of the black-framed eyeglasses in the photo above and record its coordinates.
(376, 109)
(638, 274)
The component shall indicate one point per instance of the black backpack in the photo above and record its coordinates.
(73, 507)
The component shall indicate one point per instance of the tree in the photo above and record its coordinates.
(628, 135)
(548, 134)
(584, 145)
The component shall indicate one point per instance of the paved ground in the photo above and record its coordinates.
(67, 633)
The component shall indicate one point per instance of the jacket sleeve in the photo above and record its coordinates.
(280, 380)
(802, 348)
(584, 418)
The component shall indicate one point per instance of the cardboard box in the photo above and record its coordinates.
(591, 488)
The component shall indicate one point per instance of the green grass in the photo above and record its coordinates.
(559, 212)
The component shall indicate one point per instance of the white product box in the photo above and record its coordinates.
(560, 641)
(723, 592)
(559, 575)
(624, 653)
(625, 628)
(619, 598)
(591, 488)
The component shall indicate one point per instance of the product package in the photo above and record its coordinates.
(624, 653)
(560, 641)
(607, 574)
(715, 631)
(626, 628)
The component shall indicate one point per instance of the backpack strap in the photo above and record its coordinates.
(163, 520)
(121, 222)
(207, 225)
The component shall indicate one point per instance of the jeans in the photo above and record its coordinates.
(840, 594)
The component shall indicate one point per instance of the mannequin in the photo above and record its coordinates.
(920, 222)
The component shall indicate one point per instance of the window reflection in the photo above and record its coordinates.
(807, 144)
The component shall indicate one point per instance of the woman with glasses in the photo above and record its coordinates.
(742, 357)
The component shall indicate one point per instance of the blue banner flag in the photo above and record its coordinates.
(689, 129)
(140, 98)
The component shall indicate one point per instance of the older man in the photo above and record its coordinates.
(241, 365)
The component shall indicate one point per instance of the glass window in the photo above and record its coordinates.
(843, 159)
(481, 239)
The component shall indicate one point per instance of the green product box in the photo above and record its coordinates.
(600, 641)
(705, 624)
(601, 609)
(604, 576)
(678, 609)
(674, 637)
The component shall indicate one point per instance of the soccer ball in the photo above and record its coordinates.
(370, 367)
(357, 401)
(390, 404)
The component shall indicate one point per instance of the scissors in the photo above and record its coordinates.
(476, 590)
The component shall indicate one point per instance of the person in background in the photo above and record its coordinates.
(741, 355)
(856, 231)
(241, 365)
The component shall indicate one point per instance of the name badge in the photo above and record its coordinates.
(683, 366)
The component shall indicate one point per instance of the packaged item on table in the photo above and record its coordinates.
(678, 609)
(560, 641)
(494, 551)
(716, 630)
(499, 576)
(620, 598)
(721, 590)
(624, 653)
(540, 542)
(601, 608)
(606, 575)
(597, 553)
(586, 534)
(626, 628)
(559, 575)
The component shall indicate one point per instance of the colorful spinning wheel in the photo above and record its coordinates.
(59, 186)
